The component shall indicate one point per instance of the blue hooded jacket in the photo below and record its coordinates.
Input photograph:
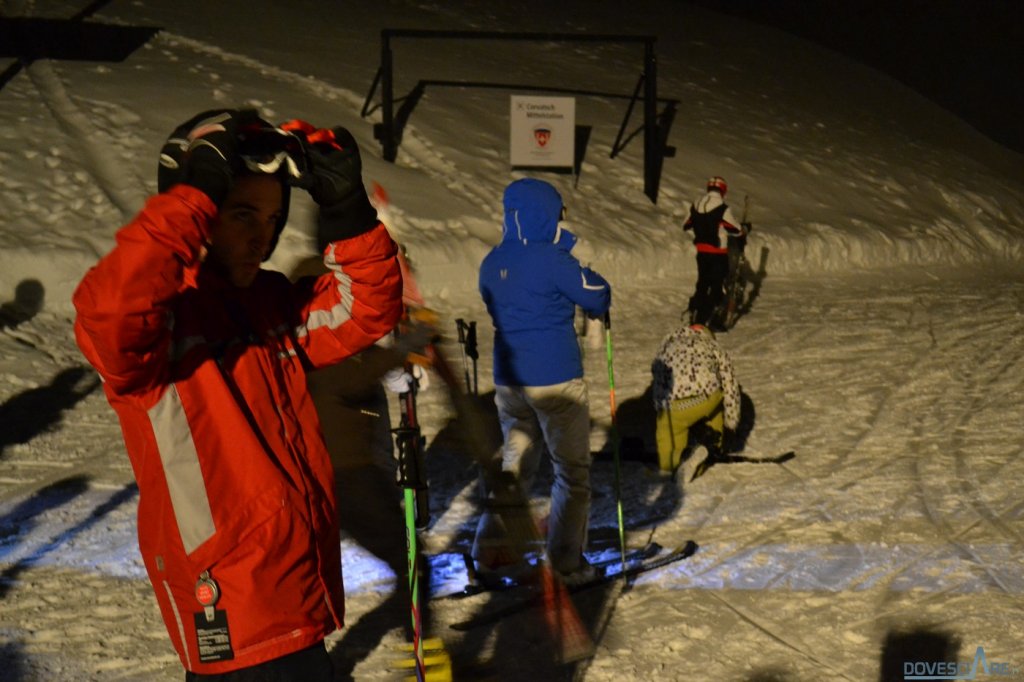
(531, 286)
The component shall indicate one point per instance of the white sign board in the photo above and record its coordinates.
(543, 131)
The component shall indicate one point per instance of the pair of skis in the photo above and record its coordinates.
(726, 314)
(639, 561)
(479, 584)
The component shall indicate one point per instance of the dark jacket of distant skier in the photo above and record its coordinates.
(531, 286)
(712, 222)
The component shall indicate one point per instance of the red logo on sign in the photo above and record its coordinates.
(541, 135)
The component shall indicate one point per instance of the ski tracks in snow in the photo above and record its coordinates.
(904, 469)
(963, 484)
(101, 138)
(926, 406)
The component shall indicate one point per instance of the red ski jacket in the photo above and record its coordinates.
(236, 490)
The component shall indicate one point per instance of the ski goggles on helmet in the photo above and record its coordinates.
(266, 149)
(717, 182)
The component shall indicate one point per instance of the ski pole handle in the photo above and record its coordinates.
(471, 348)
(608, 319)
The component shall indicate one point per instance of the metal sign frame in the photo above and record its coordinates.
(654, 146)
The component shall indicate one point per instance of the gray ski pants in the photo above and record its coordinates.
(556, 417)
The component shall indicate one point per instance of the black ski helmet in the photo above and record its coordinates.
(255, 137)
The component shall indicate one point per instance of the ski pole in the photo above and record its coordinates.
(473, 353)
(417, 512)
(615, 438)
(461, 325)
(412, 469)
(409, 493)
(414, 584)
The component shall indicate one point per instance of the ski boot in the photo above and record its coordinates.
(714, 456)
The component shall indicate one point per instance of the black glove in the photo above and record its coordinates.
(211, 160)
(334, 180)
(747, 227)
(730, 441)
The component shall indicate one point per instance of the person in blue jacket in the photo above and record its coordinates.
(531, 285)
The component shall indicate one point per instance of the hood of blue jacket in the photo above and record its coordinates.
(532, 210)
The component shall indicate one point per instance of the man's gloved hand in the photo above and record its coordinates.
(211, 161)
(747, 227)
(334, 178)
(335, 167)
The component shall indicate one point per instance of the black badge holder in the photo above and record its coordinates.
(212, 636)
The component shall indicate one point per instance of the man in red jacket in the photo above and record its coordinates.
(204, 357)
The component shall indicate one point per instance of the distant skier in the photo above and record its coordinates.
(712, 223)
(693, 382)
(531, 286)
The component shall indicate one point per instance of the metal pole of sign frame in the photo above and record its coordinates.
(653, 151)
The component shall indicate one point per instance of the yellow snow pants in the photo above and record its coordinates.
(672, 429)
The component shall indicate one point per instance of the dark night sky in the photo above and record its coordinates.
(965, 55)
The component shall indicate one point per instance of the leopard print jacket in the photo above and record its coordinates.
(692, 365)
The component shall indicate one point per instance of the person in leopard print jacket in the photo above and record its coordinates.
(693, 381)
